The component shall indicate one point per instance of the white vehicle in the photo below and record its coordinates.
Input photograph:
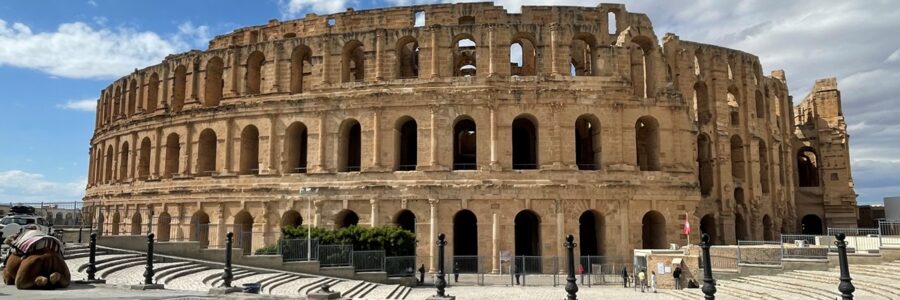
(13, 223)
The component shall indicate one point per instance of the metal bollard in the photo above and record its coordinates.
(571, 287)
(226, 275)
(709, 284)
(92, 258)
(148, 272)
(845, 287)
(441, 283)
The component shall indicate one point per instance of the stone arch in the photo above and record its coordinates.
(124, 157)
(763, 167)
(525, 145)
(350, 146)
(249, 150)
(173, 153)
(214, 83)
(200, 228)
(733, 99)
(523, 55)
(353, 61)
(144, 159)
(708, 226)
(702, 103)
(136, 222)
(405, 144)
(739, 197)
(108, 172)
(301, 66)
(465, 233)
(591, 233)
(528, 233)
(291, 218)
(296, 141)
(116, 220)
(740, 228)
(588, 142)
(653, 230)
(243, 231)
(768, 234)
(465, 143)
(163, 227)
(698, 68)
(132, 97)
(737, 157)
(642, 66)
(465, 61)
(254, 80)
(760, 105)
(100, 224)
(611, 20)
(407, 53)
(705, 164)
(583, 59)
(152, 92)
(69, 220)
(346, 218)
(811, 224)
(58, 219)
(179, 89)
(647, 143)
(807, 167)
(406, 220)
(206, 153)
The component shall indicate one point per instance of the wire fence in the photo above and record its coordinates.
(335, 255)
(859, 240)
(722, 258)
(368, 261)
(601, 270)
(804, 246)
(57, 214)
(889, 232)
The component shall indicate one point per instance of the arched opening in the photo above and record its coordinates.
(350, 155)
(587, 142)
(206, 153)
(590, 233)
(705, 162)
(583, 58)
(178, 88)
(136, 221)
(214, 82)
(68, 220)
(132, 97)
(763, 167)
(405, 144)
(708, 226)
(58, 220)
(406, 220)
(346, 218)
(144, 159)
(163, 227)
(522, 56)
(200, 228)
(740, 228)
(152, 93)
(768, 235)
(653, 230)
(732, 98)
(249, 150)
(701, 103)
(737, 157)
(301, 66)
(739, 197)
(124, 156)
(108, 172)
(291, 218)
(697, 68)
(465, 233)
(807, 167)
(466, 20)
(243, 231)
(760, 106)
(255, 63)
(353, 61)
(611, 23)
(524, 143)
(464, 144)
(647, 143)
(115, 223)
(528, 234)
(173, 153)
(407, 58)
(811, 224)
(464, 56)
(642, 66)
(297, 148)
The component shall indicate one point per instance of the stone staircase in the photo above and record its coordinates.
(128, 269)
(871, 282)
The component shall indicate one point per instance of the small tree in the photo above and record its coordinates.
(395, 241)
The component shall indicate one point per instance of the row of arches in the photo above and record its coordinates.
(742, 228)
(703, 106)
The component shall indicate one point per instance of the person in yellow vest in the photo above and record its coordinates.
(641, 277)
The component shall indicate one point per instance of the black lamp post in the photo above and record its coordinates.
(845, 287)
(571, 287)
(709, 284)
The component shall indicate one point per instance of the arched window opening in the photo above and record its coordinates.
(117, 106)
(419, 19)
(705, 163)
(522, 57)
(807, 167)
(206, 153)
(173, 153)
(125, 155)
(524, 144)
(179, 88)
(811, 224)
(289, 35)
(763, 167)
(108, 172)
(243, 231)
(214, 82)
(144, 159)
(163, 227)
(702, 104)
(587, 142)
(466, 20)
(136, 221)
(354, 62)
(465, 234)
(346, 218)
(100, 225)
(782, 165)
(408, 58)
(583, 59)
(406, 144)
(152, 93)
(406, 220)
(612, 27)
(527, 235)
(132, 97)
(58, 220)
(200, 228)
(590, 233)
(297, 148)
(740, 228)
(647, 143)
(733, 100)
(730, 73)
(116, 220)
(249, 150)
(350, 155)
(768, 235)
(642, 66)
(697, 68)
(255, 63)
(464, 144)
(653, 231)
(464, 57)
(737, 157)
(301, 67)
(760, 106)
(739, 197)
(291, 218)
(708, 226)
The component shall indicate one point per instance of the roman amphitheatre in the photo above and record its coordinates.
(505, 131)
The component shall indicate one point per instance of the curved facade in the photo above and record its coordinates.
(505, 131)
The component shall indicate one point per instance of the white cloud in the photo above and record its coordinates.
(92, 3)
(78, 50)
(296, 8)
(82, 105)
(22, 186)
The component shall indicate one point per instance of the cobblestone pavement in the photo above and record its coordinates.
(536, 293)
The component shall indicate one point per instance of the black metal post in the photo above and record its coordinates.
(92, 257)
(571, 287)
(441, 283)
(148, 272)
(845, 287)
(709, 284)
(227, 276)
(80, 224)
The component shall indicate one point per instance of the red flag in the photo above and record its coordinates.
(687, 223)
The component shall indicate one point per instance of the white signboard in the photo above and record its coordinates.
(660, 268)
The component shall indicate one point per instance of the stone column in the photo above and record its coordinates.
(432, 249)
(320, 162)
(495, 244)
(491, 50)
(374, 218)
(560, 226)
(434, 144)
(493, 126)
(221, 229)
(318, 213)
(435, 30)
(276, 77)
(179, 223)
(554, 32)
(376, 139)
(379, 35)
(326, 59)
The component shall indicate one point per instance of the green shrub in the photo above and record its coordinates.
(394, 240)
(267, 250)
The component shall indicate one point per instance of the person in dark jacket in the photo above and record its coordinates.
(455, 272)
(625, 276)
(422, 274)
(677, 275)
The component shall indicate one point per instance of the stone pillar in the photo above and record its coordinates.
(432, 250)
(318, 213)
(179, 223)
(491, 51)
(320, 162)
(560, 226)
(374, 217)
(276, 77)
(495, 244)
(326, 59)
(376, 139)
(494, 163)
(434, 145)
(435, 30)
(221, 229)
(379, 45)
(554, 35)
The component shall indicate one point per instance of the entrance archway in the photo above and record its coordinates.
(243, 231)
(708, 226)
(346, 218)
(291, 218)
(590, 232)
(465, 233)
(653, 230)
(163, 227)
(811, 224)
(740, 228)
(136, 221)
(200, 228)
(767, 228)
(528, 234)
(406, 219)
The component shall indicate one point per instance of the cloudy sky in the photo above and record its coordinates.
(56, 56)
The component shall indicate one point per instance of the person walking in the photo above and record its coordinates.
(641, 277)
(581, 271)
(653, 281)
(677, 275)
(625, 276)
(422, 274)
(456, 272)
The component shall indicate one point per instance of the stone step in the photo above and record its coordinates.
(84, 254)
(265, 284)
(235, 274)
(681, 294)
(784, 284)
(360, 290)
(165, 273)
(889, 292)
(114, 267)
(749, 291)
(191, 281)
(106, 258)
(101, 268)
(317, 285)
(274, 285)
(183, 273)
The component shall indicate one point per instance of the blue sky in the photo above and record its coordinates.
(55, 57)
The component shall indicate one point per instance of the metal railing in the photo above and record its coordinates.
(859, 240)
(400, 266)
(803, 246)
(297, 249)
(335, 255)
(889, 232)
(368, 261)
(601, 269)
(524, 266)
(722, 258)
(760, 252)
